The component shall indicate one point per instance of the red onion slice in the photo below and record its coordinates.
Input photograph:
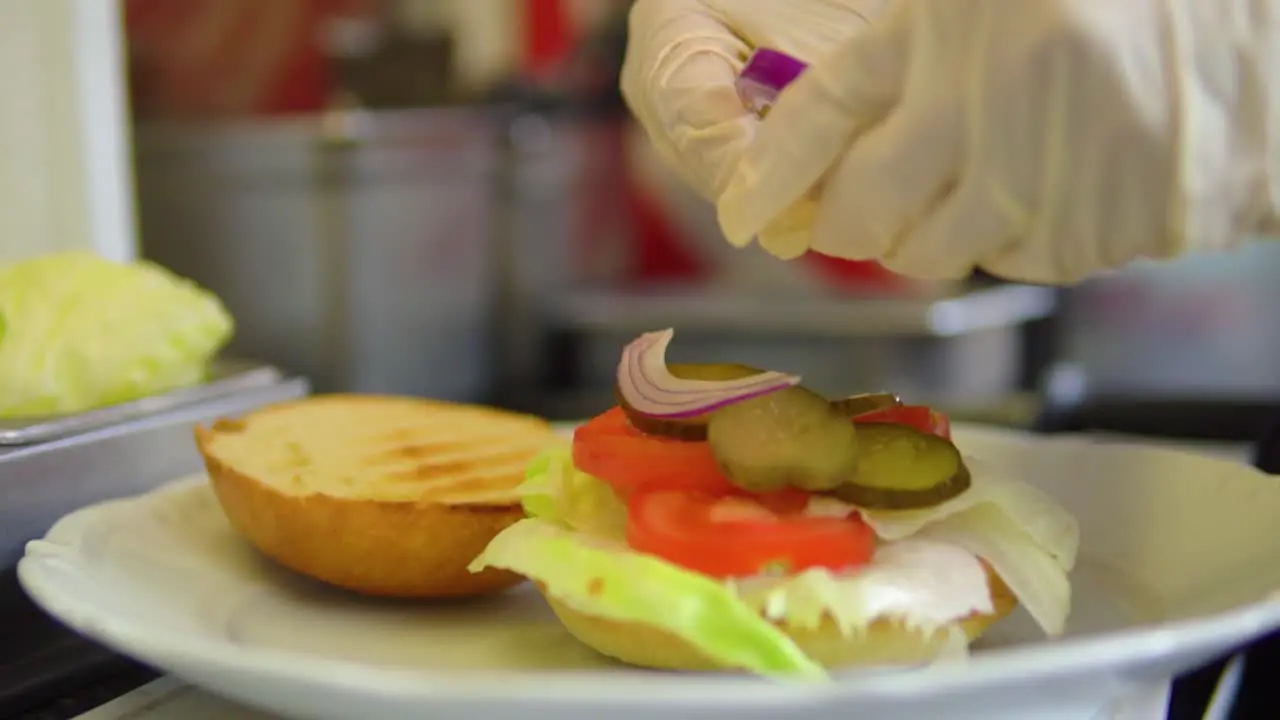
(648, 387)
(767, 72)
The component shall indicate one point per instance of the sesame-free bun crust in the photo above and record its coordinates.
(884, 642)
(380, 495)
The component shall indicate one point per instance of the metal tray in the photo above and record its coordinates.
(966, 311)
(225, 378)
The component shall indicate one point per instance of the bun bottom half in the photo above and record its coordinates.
(384, 549)
(884, 642)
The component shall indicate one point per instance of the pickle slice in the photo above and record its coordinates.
(901, 468)
(791, 437)
(691, 429)
(865, 403)
(712, 371)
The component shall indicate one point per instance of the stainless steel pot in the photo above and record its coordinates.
(355, 248)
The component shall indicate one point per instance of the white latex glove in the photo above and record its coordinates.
(684, 55)
(1040, 140)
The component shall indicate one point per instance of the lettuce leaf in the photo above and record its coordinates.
(606, 579)
(556, 491)
(79, 332)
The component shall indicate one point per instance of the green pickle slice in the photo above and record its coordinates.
(856, 405)
(788, 438)
(901, 468)
(692, 429)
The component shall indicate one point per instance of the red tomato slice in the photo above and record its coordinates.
(609, 448)
(924, 419)
(734, 536)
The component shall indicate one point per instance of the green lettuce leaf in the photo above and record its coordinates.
(79, 332)
(632, 587)
(576, 539)
(555, 491)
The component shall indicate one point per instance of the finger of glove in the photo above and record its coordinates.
(789, 235)
(965, 225)
(889, 179)
(691, 112)
(678, 78)
(846, 92)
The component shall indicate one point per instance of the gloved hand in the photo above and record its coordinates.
(684, 55)
(1042, 141)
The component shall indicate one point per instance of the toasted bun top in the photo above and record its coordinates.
(381, 448)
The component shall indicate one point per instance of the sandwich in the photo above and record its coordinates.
(380, 495)
(726, 518)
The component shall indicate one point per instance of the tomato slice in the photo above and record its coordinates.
(609, 448)
(736, 536)
(920, 417)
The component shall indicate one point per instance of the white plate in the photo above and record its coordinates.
(1177, 562)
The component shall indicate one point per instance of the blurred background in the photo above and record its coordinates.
(447, 198)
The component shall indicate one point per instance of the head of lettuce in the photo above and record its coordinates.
(79, 332)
